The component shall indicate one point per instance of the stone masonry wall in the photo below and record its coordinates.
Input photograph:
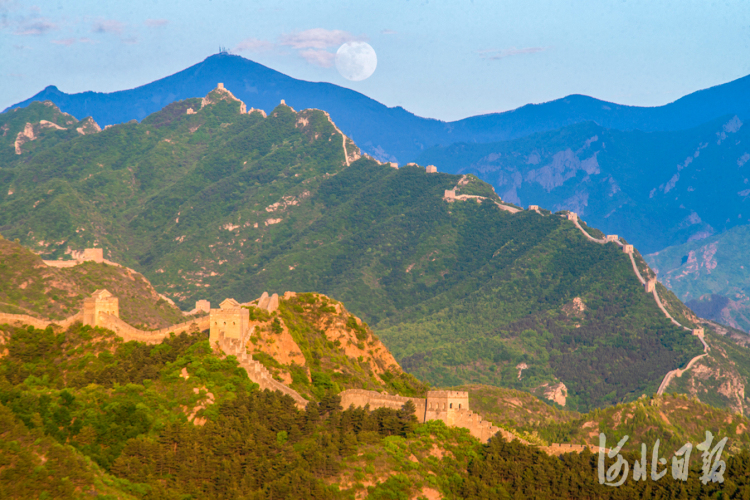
(23, 319)
(362, 398)
(456, 417)
(129, 333)
(259, 373)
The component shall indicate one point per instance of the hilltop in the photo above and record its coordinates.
(391, 134)
(315, 346)
(29, 286)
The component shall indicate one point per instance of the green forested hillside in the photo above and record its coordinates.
(31, 287)
(217, 203)
(84, 414)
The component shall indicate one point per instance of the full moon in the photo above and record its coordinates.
(356, 61)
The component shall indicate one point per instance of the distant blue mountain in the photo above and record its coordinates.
(392, 133)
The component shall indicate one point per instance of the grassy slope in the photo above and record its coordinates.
(31, 287)
(720, 378)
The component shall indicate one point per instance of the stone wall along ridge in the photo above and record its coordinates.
(259, 373)
(650, 287)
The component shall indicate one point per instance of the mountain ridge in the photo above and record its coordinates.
(392, 134)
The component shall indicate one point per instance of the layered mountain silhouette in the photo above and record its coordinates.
(392, 134)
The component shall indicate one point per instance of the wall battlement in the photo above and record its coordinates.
(452, 407)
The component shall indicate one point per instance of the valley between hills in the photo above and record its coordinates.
(398, 280)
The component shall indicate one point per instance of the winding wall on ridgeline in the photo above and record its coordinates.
(451, 196)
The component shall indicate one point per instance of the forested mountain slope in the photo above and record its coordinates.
(85, 414)
(210, 202)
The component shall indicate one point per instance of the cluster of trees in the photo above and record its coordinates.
(83, 413)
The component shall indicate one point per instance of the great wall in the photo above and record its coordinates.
(228, 325)
(650, 285)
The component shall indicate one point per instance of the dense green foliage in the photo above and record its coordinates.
(459, 292)
(83, 413)
(511, 470)
(87, 388)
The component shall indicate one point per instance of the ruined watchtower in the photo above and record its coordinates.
(442, 405)
(93, 254)
(101, 301)
(230, 321)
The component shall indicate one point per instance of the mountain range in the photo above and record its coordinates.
(662, 176)
(391, 134)
(210, 202)
(535, 313)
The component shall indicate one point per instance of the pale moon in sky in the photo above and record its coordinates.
(356, 61)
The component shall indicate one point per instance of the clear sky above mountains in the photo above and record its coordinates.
(441, 59)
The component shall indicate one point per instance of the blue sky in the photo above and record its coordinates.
(440, 59)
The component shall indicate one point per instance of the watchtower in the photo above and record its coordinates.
(230, 321)
(442, 405)
(202, 306)
(611, 237)
(650, 285)
(101, 301)
(93, 254)
(572, 216)
(431, 169)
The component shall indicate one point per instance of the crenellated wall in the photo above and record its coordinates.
(362, 398)
(259, 373)
(128, 333)
(452, 407)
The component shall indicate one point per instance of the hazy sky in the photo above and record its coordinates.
(442, 59)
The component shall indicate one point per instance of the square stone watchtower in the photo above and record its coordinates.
(202, 306)
(572, 216)
(101, 301)
(442, 405)
(431, 169)
(627, 249)
(93, 254)
(611, 237)
(650, 285)
(230, 321)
